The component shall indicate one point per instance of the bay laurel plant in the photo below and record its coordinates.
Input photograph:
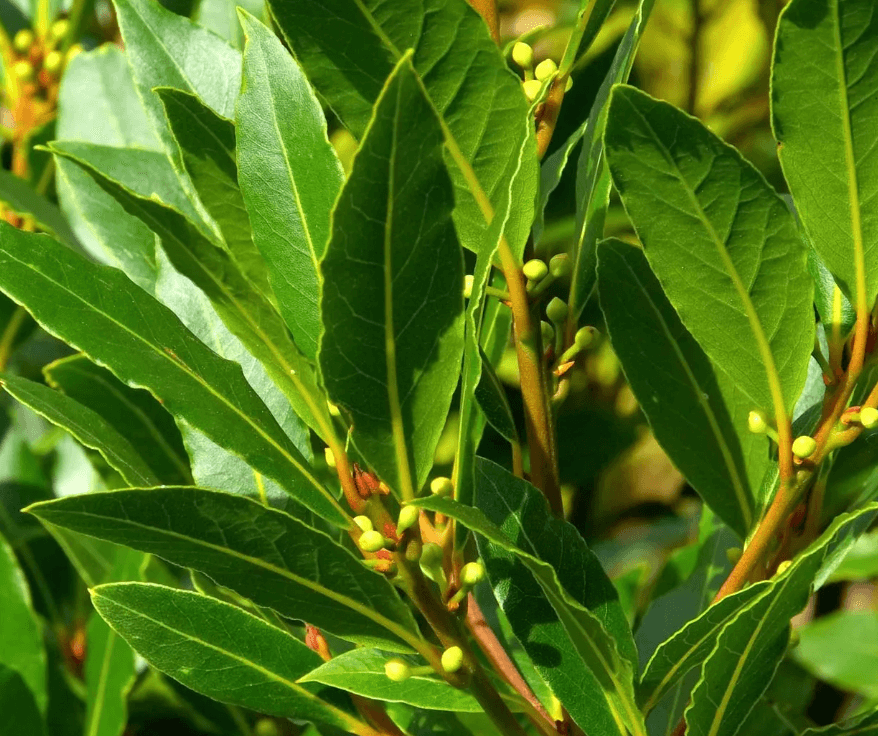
(288, 544)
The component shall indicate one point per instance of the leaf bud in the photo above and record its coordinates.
(468, 286)
(59, 29)
(560, 265)
(408, 517)
(585, 337)
(547, 332)
(441, 486)
(869, 417)
(23, 40)
(330, 457)
(371, 541)
(757, 422)
(545, 69)
(733, 554)
(535, 269)
(804, 446)
(23, 70)
(397, 670)
(523, 55)
(557, 310)
(452, 659)
(364, 522)
(472, 573)
(783, 567)
(532, 89)
(413, 551)
(54, 63)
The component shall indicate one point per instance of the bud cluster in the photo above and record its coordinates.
(39, 62)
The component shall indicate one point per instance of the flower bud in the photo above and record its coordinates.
(59, 29)
(330, 457)
(413, 551)
(441, 486)
(535, 269)
(545, 69)
(560, 265)
(804, 446)
(523, 55)
(757, 422)
(23, 70)
(783, 567)
(266, 727)
(585, 337)
(532, 89)
(431, 555)
(397, 670)
(869, 417)
(733, 554)
(472, 573)
(371, 541)
(547, 332)
(364, 522)
(23, 40)
(452, 659)
(468, 286)
(54, 63)
(73, 51)
(408, 517)
(557, 310)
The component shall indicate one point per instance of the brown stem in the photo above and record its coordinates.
(549, 115)
(375, 714)
(488, 10)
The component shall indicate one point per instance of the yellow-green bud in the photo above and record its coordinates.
(364, 522)
(23, 70)
(468, 286)
(869, 417)
(408, 516)
(73, 51)
(452, 659)
(266, 727)
(557, 310)
(23, 40)
(535, 269)
(413, 551)
(804, 446)
(733, 554)
(441, 486)
(757, 422)
(532, 89)
(59, 29)
(783, 567)
(397, 670)
(560, 265)
(333, 409)
(330, 457)
(431, 555)
(371, 541)
(523, 55)
(585, 337)
(545, 69)
(547, 332)
(54, 62)
(472, 573)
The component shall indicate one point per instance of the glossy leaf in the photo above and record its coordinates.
(18, 196)
(136, 415)
(465, 77)
(263, 554)
(493, 402)
(207, 145)
(86, 425)
(392, 300)
(723, 245)
(863, 725)
(143, 343)
(361, 671)
(290, 176)
(823, 108)
(216, 649)
(592, 176)
(21, 638)
(750, 647)
(20, 712)
(695, 411)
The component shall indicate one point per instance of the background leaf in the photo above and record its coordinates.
(20, 712)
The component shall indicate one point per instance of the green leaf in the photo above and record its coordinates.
(20, 712)
(244, 310)
(592, 176)
(217, 649)
(21, 637)
(576, 636)
(109, 662)
(823, 108)
(392, 300)
(465, 76)
(863, 725)
(493, 401)
(290, 176)
(723, 245)
(133, 412)
(207, 144)
(99, 311)
(86, 425)
(861, 563)
(361, 671)
(842, 649)
(750, 647)
(263, 554)
(695, 411)
(20, 197)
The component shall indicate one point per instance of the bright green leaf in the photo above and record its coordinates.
(20, 712)
(862, 725)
